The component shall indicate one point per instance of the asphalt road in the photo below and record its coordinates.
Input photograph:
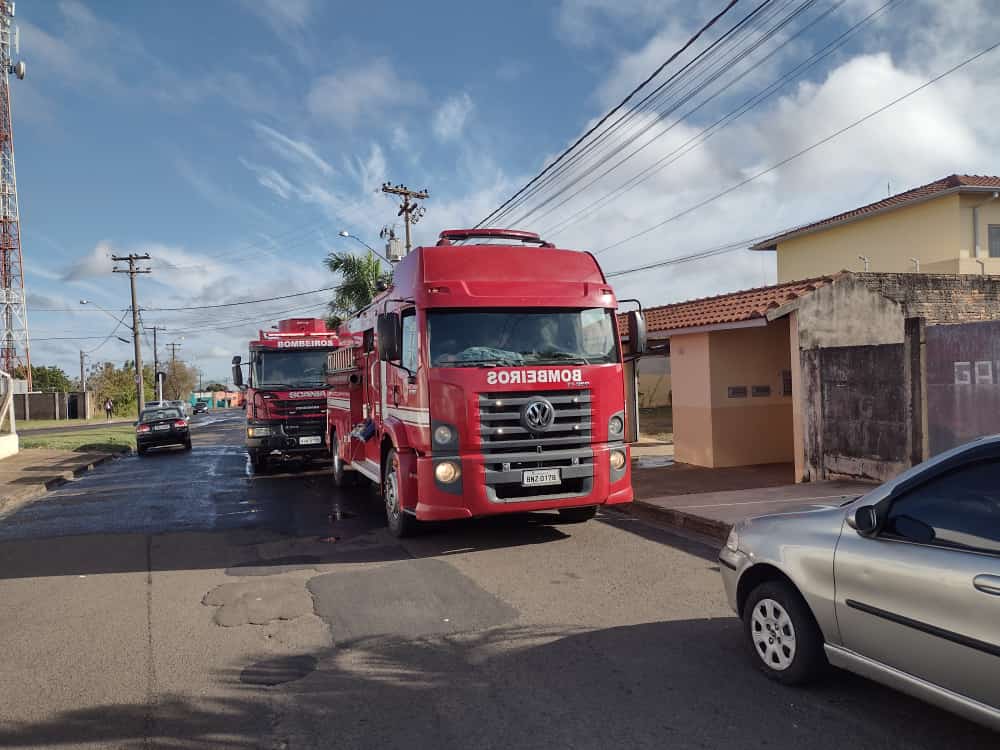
(177, 601)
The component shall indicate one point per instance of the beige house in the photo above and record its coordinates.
(951, 226)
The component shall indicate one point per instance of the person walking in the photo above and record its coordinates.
(109, 406)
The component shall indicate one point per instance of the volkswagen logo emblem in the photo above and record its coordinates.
(538, 415)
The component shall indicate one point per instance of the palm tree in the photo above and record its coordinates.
(362, 277)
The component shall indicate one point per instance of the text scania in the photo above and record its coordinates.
(303, 344)
(528, 377)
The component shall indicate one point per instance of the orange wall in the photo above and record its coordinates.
(692, 399)
(712, 429)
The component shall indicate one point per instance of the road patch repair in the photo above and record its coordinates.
(32, 472)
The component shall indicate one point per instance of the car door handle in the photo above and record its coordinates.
(987, 584)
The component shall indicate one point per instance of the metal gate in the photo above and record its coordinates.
(963, 383)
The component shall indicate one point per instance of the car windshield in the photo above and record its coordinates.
(153, 415)
(460, 338)
(292, 369)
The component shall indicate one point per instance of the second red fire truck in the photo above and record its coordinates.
(285, 393)
(489, 378)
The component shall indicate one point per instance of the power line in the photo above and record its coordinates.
(802, 152)
(662, 101)
(702, 136)
(243, 302)
(607, 116)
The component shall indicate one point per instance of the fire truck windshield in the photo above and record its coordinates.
(304, 368)
(469, 338)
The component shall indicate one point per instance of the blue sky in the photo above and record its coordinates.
(233, 140)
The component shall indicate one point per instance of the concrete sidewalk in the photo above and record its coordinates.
(712, 514)
(34, 471)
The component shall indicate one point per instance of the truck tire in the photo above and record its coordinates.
(577, 515)
(401, 524)
(341, 477)
(258, 462)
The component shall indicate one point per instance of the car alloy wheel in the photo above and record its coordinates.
(773, 634)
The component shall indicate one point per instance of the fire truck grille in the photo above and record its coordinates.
(510, 448)
(502, 430)
(305, 427)
(297, 407)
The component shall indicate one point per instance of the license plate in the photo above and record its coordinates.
(161, 427)
(540, 477)
(311, 440)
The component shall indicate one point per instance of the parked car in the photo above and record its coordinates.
(901, 585)
(159, 427)
(200, 408)
(156, 405)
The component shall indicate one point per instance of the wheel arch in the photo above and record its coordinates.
(755, 576)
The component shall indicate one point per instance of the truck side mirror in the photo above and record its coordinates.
(237, 372)
(390, 337)
(637, 332)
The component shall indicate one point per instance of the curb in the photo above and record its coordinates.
(705, 527)
(36, 491)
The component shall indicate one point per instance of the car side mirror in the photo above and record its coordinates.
(864, 520)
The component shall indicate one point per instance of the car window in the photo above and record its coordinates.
(151, 415)
(960, 508)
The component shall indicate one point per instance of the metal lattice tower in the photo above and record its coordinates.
(13, 311)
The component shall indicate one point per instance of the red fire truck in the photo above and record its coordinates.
(285, 394)
(489, 378)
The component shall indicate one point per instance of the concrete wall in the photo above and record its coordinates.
(988, 213)
(752, 429)
(930, 231)
(715, 428)
(939, 299)
(692, 410)
(654, 381)
(40, 406)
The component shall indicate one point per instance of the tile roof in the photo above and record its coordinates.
(950, 184)
(735, 307)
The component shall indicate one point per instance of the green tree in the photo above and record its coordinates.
(362, 277)
(47, 379)
(118, 383)
(214, 387)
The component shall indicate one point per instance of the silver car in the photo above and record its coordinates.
(901, 585)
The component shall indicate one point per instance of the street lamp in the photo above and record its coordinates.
(345, 233)
(109, 314)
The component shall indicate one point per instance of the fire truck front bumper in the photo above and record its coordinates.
(268, 438)
(598, 477)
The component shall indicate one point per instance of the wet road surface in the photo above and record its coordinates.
(177, 601)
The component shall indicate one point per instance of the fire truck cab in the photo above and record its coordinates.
(285, 393)
(487, 379)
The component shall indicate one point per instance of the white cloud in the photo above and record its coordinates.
(584, 23)
(97, 263)
(349, 97)
(291, 149)
(270, 178)
(451, 117)
(281, 15)
(216, 194)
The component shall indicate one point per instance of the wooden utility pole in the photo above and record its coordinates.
(83, 377)
(408, 209)
(131, 259)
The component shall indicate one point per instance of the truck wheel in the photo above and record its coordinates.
(341, 477)
(401, 523)
(258, 462)
(577, 515)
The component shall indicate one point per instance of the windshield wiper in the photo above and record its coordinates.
(556, 358)
(480, 363)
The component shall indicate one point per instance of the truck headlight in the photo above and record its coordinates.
(447, 472)
(733, 540)
(258, 431)
(616, 425)
(617, 460)
(443, 434)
